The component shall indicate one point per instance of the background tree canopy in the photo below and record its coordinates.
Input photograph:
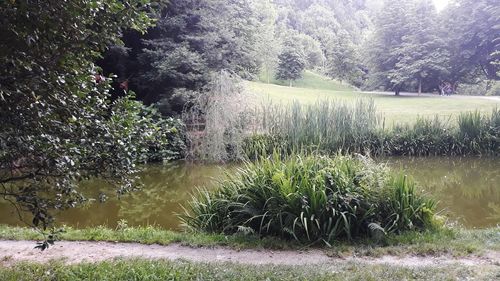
(413, 46)
(383, 45)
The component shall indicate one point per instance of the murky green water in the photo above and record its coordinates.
(468, 190)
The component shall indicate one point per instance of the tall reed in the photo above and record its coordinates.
(329, 126)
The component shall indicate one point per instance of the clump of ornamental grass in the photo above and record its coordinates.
(311, 199)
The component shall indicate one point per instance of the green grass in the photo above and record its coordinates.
(395, 109)
(149, 235)
(182, 270)
(452, 241)
(311, 80)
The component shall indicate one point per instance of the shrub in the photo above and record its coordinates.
(169, 142)
(494, 90)
(482, 88)
(477, 89)
(311, 199)
(155, 137)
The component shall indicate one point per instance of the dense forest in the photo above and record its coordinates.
(374, 45)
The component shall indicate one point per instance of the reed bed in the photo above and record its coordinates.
(331, 126)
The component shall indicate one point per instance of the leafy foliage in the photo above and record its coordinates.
(413, 47)
(422, 55)
(473, 39)
(311, 199)
(343, 61)
(191, 40)
(59, 125)
(291, 64)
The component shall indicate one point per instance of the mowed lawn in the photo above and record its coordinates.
(395, 109)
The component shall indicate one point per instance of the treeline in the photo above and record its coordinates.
(413, 47)
(385, 45)
(192, 39)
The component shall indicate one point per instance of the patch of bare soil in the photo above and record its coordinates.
(76, 252)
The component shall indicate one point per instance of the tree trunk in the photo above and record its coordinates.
(267, 72)
(419, 86)
(397, 91)
(291, 83)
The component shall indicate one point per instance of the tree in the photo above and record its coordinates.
(422, 55)
(59, 126)
(268, 43)
(343, 62)
(291, 64)
(384, 47)
(192, 39)
(472, 39)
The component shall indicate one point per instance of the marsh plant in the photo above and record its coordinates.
(312, 199)
(331, 126)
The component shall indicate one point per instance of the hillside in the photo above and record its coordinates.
(396, 109)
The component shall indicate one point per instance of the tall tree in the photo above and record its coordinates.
(291, 64)
(269, 44)
(343, 61)
(473, 28)
(195, 37)
(391, 25)
(422, 55)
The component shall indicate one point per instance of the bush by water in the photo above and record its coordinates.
(311, 199)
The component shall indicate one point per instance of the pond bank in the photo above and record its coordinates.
(455, 242)
(12, 252)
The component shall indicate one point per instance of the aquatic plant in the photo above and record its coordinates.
(330, 127)
(312, 199)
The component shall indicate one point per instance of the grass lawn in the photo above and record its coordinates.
(182, 270)
(314, 87)
(311, 80)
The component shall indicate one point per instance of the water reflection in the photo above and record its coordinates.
(468, 189)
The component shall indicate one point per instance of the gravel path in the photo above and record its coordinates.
(76, 252)
(411, 94)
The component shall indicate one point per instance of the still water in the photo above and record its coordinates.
(468, 191)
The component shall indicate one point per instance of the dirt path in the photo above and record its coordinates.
(75, 252)
(411, 94)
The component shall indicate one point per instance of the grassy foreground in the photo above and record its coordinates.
(450, 241)
(166, 270)
(402, 109)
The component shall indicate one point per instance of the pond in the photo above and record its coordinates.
(468, 191)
